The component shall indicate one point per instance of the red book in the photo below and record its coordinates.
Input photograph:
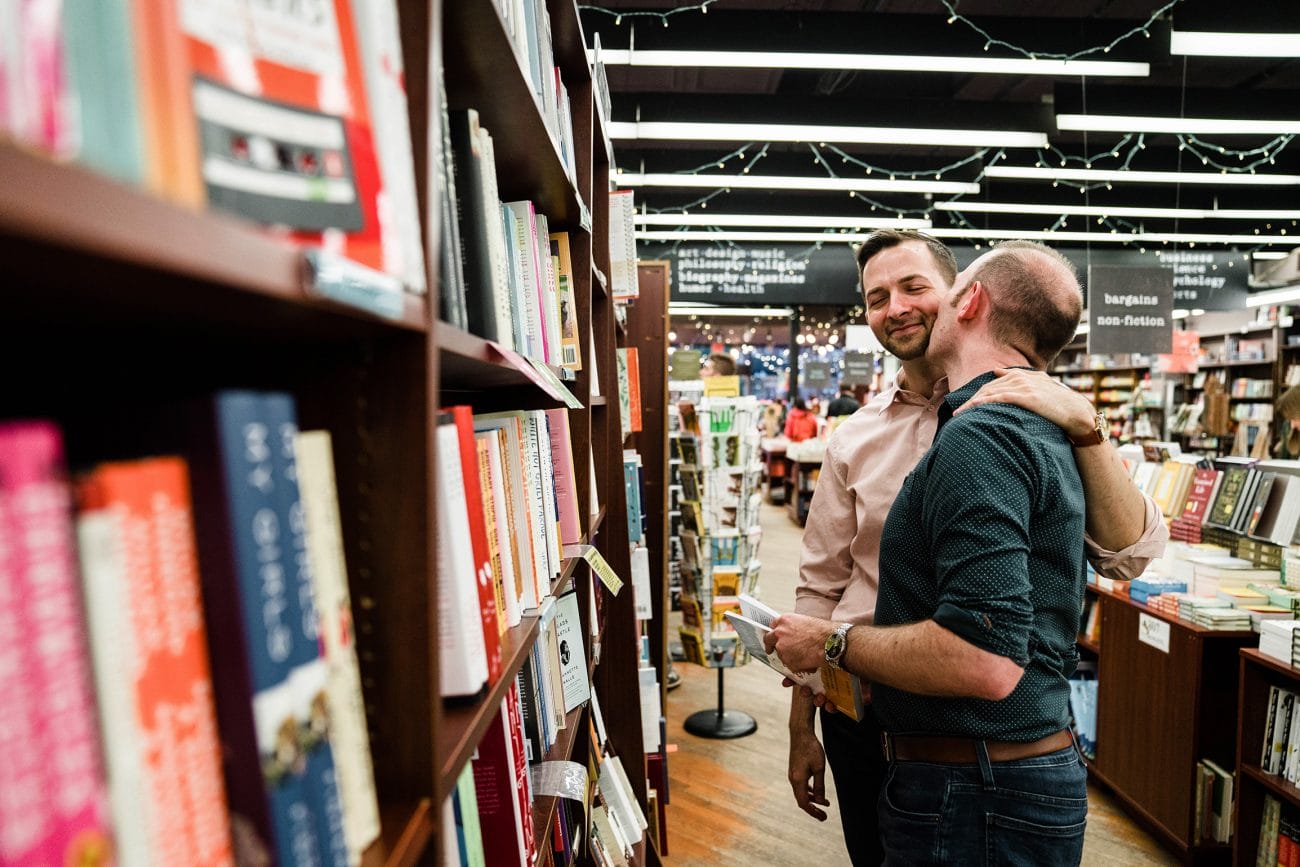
(523, 791)
(464, 418)
(496, 773)
(1198, 498)
(140, 572)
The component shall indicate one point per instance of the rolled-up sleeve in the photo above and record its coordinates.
(1128, 563)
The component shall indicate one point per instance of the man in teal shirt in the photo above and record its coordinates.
(980, 592)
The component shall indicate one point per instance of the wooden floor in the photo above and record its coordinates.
(730, 802)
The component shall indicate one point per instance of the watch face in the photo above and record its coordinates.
(834, 645)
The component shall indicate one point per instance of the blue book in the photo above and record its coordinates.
(251, 612)
(310, 672)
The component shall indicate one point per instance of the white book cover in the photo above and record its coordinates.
(543, 525)
(462, 657)
(622, 246)
(542, 438)
(349, 735)
(532, 292)
(643, 598)
(381, 50)
(506, 316)
(651, 707)
(114, 657)
(573, 656)
(551, 293)
(554, 671)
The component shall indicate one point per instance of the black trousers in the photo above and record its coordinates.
(858, 767)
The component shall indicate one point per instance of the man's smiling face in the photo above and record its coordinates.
(903, 288)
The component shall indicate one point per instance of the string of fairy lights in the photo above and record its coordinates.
(1214, 156)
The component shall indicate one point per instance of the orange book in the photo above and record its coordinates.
(140, 571)
(633, 387)
(168, 128)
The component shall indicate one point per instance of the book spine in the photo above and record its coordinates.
(476, 237)
(462, 662)
(566, 488)
(571, 350)
(551, 293)
(498, 544)
(469, 832)
(531, 291)
(310, 677)
(505, 310)
(498, 804)
(511, 518)
(349, 734)
(550, 515)
(254, 621)
(55, 794)
(163, 751)
(522, 780)
(481, 558)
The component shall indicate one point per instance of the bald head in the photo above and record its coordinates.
(1035, 297)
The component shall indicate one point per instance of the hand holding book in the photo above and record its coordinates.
(763, 631)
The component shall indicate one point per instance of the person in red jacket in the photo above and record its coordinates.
(800, 424)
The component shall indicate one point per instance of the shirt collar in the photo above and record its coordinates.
(896, 393)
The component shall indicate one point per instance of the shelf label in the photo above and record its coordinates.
(598, 564)
(539, 374)
(561, 779)
(1154, 632)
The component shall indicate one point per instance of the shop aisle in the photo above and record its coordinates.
(731, 803)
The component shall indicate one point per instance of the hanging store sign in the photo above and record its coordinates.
(859, 368)
(759, 274)
(1130, 309)
(816, 374)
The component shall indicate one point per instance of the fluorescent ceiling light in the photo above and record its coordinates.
(1102, 211)
(1190, 125)
(794, 182)
(792, 132)
(1269, 254)
(1141, 177)
(1207, 44)
(1273, 296)
(716, 310)
(869, 62)
(1074, 210)
(1058, 237)
(777, 221)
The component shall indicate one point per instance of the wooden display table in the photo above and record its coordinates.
(1167, 696)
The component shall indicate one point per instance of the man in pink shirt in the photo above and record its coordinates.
(905, 276)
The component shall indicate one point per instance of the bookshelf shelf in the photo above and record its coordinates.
(601, 280)
(1256, 362)
(406, 833)
(72, 234)
(469, 365)
(601, 400)
(544, 806)
(1275, 784)
(463, 725)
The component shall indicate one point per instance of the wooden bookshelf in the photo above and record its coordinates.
(1257, 673)
(118, 304)
(1159, 713)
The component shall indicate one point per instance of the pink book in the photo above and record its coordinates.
(55, 807)
(566, 480)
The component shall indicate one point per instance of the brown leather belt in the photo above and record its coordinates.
(953, 750)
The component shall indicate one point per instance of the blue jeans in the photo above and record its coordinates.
(1028, 812)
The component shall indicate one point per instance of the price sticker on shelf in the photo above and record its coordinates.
(598, 564)
(1154, 632)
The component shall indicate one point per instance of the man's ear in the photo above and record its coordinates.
(971, 302)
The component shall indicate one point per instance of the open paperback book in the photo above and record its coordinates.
(838, 685)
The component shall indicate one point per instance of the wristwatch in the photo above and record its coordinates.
(1099, 434)
(836, 643)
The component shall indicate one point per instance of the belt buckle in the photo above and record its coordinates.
(887, 746)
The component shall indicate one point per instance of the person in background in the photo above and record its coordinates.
(844, 404)
(800, 424)
(906, 276)
(1288, 424)
(718, 364)
(771, 422)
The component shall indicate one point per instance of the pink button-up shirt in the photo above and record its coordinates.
(866, 461)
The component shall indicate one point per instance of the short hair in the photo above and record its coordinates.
(1035, 299)
(884, 239)
(1288, 405)
(723, 364)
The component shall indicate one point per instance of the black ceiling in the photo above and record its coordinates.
(1190, 86)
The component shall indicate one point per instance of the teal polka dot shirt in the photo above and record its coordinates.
(986, 539)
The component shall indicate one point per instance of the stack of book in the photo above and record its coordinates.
(1145, 587)
(1221, 619)
(1276, 639)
